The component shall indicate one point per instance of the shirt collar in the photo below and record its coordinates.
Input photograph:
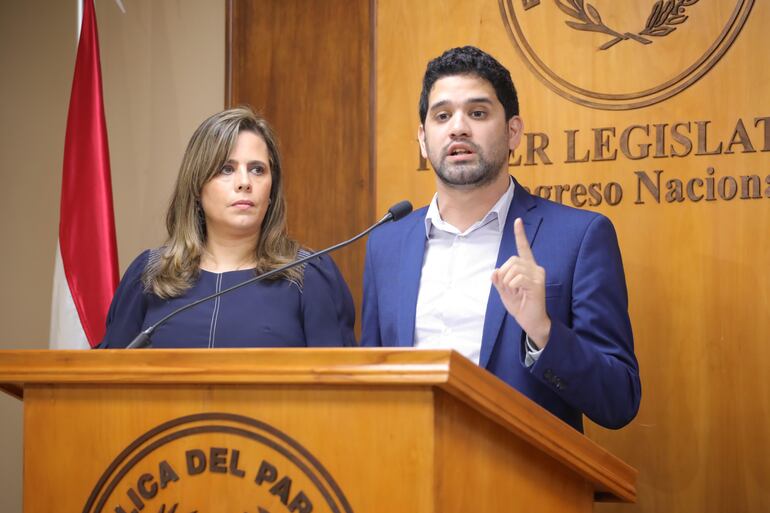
(496, 215)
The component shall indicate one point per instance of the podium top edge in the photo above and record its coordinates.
(222, 366)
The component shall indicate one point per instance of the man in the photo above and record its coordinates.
(553, 323)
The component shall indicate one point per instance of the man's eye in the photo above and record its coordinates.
(478, 114)
(441, 116)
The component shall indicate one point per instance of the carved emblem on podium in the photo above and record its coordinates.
(612, 55)
(216, 463)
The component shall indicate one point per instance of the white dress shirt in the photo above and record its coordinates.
(456, 281)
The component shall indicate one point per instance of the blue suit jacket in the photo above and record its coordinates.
(588, 366)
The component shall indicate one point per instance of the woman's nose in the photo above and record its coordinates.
(243, 180)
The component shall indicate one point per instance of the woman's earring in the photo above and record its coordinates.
(201, 215)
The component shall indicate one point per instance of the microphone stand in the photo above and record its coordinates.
(395, 213)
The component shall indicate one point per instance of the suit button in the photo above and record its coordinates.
(548, 374)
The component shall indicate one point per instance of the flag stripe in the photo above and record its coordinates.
(86, 222)
(66, 330)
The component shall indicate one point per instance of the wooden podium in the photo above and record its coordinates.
(294, 430)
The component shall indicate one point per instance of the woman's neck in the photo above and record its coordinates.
(221, 254)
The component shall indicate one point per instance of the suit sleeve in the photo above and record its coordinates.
(591, 363)
(370, 328)
(128, 308)
(327, 306)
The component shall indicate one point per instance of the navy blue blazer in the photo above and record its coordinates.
(588, 366)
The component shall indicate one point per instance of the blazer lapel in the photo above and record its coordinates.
(409, 281)
(523, 205)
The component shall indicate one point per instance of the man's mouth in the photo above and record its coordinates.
(459, 154)
(459, 150)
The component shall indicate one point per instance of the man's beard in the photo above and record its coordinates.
(470, 175)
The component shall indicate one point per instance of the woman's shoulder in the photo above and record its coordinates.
(145, 262)
(322, 264)
(137, 267)
(322, 276)
(141, 260)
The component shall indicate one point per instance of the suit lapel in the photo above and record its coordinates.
(523, 205)
(409, 281)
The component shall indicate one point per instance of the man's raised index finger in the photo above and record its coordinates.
(522, 244)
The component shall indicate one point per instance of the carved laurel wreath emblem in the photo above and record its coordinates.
(663, 19)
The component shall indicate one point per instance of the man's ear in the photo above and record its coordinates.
(515, 129)
(421, 140)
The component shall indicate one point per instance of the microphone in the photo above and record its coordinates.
(396, 212)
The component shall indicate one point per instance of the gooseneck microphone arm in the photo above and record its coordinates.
(395, 213)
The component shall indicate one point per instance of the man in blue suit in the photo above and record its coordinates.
(529, 289)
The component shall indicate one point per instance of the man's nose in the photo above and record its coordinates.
(242, 179)
(459, 126)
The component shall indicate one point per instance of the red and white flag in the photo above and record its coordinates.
(86, 272)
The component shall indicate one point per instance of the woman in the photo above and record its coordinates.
(227, 223)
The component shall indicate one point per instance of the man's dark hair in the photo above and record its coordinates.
(469, 60)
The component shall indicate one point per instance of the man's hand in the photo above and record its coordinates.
(521, 285)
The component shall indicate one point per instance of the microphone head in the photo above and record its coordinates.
(400, 210)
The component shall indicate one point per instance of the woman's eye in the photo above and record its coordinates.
(257, 170)
(227, 170)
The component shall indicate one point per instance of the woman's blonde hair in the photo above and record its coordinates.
(173, 268)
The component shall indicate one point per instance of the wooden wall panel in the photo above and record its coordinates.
(306, 67)
(697, 271)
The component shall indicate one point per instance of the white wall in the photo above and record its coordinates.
(163, 73)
